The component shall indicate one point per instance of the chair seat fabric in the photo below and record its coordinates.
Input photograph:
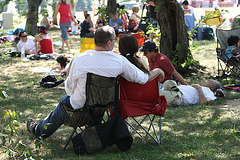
(137, 99)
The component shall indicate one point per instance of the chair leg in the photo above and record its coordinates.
(69, 139)
(160, 128)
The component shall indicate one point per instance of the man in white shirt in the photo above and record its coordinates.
(26, 43)
(184, 94)
(101, 61)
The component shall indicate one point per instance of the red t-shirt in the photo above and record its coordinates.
(64, 12)
(161, 61)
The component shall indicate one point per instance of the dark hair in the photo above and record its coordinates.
(87, 15)
(233, 40)
(42, 29)
(102, 35)
(185, 2)
(20, 34)
(63, 61)
(64, 2)
(128, 47)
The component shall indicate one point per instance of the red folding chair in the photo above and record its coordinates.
(142, 100)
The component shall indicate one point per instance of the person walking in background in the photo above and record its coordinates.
(65, 21)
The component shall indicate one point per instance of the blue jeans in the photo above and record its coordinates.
(54, 120)
(64, 28)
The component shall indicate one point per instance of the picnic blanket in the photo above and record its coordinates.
(235, 87)
(57, 43)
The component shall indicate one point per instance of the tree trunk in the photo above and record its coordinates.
(170, 17)
(32, 16)
(54, 4)
(111, 7)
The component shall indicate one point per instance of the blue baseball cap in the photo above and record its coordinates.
(148, 44)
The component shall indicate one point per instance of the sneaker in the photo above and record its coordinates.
(31, 126)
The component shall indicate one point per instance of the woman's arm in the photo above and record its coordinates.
(156, 72)
(56, 12)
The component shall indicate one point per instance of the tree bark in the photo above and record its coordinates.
(170, 17)
(111, 7)
(32, 16)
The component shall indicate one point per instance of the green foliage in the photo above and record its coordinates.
(3, 3)
(15, 147)
(22, 6)
(103, 11)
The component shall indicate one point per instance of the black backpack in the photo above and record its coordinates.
(49, 81)
(208, 33)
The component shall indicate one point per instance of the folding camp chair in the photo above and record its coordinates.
(101, 93)
(86, 44)
(226, 67)
(142, 100)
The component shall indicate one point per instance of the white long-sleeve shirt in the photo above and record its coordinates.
(103, 63)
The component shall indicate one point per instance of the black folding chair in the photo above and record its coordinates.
(226, 68)
(101, 94)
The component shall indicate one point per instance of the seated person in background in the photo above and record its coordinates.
(232, 51)
(116, 23)
(100, 22)
(101, 61)
(75, 27)
(188, 15)
(159, 60)
(184, 94)
(87, 30)
(45, 22)
(43, 42)
(26, 43)
(133, 21)
(90, 21)
(63, 64)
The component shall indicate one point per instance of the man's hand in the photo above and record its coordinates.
(197, 86)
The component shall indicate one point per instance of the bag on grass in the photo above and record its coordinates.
(49, 81)
(102, 136)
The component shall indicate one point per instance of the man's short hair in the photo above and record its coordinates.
(102, 35)
(185, 3)
(233, 40)
(20, 34)
(217, 85)
(87, 15)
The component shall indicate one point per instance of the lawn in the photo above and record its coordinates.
(209, 131)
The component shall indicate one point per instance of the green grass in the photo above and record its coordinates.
(209, 131)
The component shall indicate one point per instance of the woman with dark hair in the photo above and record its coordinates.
(63, 64)
(128, 47)
(65, 21)
(43, 42)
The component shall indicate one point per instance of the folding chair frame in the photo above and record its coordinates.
(230, 65)
(85, 114)
(157, 138)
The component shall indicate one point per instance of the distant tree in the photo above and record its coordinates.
(3, 3)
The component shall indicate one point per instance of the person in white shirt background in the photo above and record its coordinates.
(101, 61)
(26, 43)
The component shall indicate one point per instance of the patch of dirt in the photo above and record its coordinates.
(231, 105)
